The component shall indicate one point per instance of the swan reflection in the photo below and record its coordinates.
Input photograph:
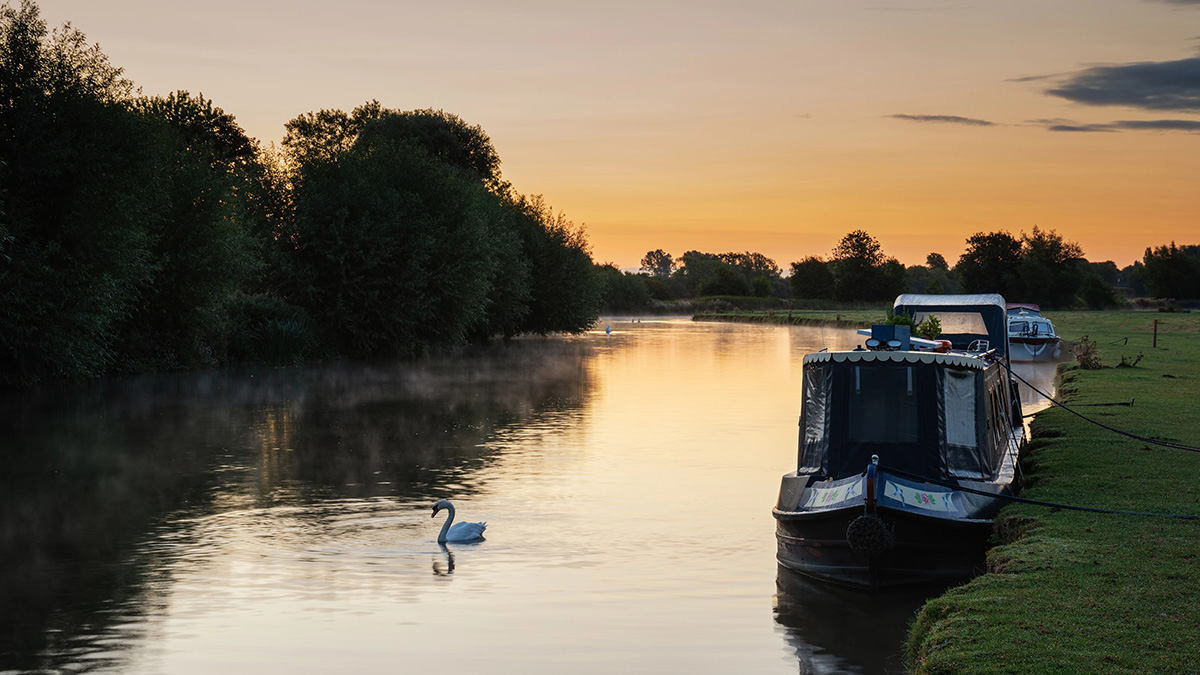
(439, 569)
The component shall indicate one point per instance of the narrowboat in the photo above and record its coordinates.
(903, 442)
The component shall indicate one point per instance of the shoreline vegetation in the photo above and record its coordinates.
(1066, 591)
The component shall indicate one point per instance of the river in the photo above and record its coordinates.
(278, 520)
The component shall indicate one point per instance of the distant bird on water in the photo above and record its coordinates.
(459, 531)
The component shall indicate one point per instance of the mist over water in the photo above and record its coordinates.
(278, 520)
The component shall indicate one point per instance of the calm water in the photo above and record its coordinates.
(275, 521)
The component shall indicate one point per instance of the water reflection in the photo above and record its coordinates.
(446, 569)
(112, 491)
(263, 520)
(836, 630)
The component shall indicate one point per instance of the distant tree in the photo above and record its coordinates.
(1051, 270)
(659, 289)
(1107, 270)
(935, 261)
(725, 281)
(1172, 271)
(658, 263)
(621, 292)
(1132, 278)
(989, 265)
(811, 278)
(858, 266)
(751, 264)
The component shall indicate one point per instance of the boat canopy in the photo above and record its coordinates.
(943, 416)
(965, 319)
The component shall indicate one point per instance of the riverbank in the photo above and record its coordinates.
(843, 318)
(1072, 592)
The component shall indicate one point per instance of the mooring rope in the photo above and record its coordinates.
(1144, 439)
(1034, 502)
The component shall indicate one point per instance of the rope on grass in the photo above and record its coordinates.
(1033, 502)
(1144, 439)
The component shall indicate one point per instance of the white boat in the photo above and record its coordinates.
(1031, 336)
(902, 446)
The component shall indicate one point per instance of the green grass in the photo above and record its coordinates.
(849, 318)
(1071, 592)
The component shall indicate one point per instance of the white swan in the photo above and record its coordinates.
(460, 531)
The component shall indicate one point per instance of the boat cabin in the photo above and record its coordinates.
(945, 416)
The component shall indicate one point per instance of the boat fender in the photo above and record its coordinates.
(868, 535)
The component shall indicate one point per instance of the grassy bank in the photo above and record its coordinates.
(846, 318)
(1072, 592)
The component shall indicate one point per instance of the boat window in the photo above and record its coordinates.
(1018, 327)
(959, 397)
(814, 404)
(883, 407)
(956, 323)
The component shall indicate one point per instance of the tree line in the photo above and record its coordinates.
(1039, 267)
(149, 232)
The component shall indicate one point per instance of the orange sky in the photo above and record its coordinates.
(771, 126)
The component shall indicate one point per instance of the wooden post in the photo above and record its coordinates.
(1155, 345)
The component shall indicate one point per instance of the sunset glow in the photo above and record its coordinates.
(771, 126)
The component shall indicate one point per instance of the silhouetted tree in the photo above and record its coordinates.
(1172, 271)
(658, 263)
(621, 292)
(935, 261)
(989, 264)
(811, 278)
(862, 272)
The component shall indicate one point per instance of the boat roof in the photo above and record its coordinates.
(959, 299)
(965, 317)
(867, 356)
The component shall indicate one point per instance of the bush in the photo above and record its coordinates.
(265, 329)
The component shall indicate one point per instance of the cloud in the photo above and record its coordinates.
(1166, 85)
(945, 119)
(1187, 126)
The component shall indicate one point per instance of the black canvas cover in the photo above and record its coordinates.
(929, 414)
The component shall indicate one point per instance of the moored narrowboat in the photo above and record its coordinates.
(901, 443)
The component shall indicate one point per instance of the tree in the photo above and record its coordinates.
(658, 263)
(1051, 270)
(1172, 271)
(859, 272)
(622, 292)
(203, 244)
(935, 261)
(989, 264)
(811, 278)
(390, 250)
(82, 183)
(440, 134)
(565, 296)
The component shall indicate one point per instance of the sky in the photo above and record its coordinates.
(774, 126)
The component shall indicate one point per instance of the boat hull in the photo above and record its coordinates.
(927, 549)
(1034, 349)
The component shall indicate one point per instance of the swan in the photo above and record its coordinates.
(460, 531)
